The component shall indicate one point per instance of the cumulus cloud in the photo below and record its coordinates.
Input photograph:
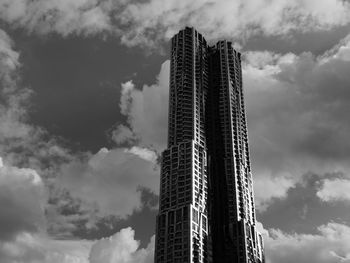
(334, 190)
(111, 181)
(146, 112)
(121, 248)
(330, 245)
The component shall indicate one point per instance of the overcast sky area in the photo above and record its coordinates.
(83, 120)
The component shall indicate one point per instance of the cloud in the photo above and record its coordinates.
(29, 248)
(146, 23)
(23, 227)
(334, 190)
(23, 191)
(123, 134)
(116, 178)
(151, 21)
(63, 17)
(330, 245)
(23, 238)
(111, 181)
(11, 112)
(8, 58)
(21, 143)
(267, 189)
(121, 248)
(22, 200)
(297, 116)
(296, 107)
(146, 112)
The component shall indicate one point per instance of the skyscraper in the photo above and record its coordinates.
(206, 210)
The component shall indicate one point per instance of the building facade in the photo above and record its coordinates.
(206, 209)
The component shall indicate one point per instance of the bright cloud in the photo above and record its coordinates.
(121, 248)
(334, 190)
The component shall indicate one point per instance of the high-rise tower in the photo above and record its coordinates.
(206, 210)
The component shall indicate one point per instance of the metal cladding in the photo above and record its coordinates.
(206, 210)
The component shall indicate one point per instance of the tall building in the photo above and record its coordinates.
(206, 209)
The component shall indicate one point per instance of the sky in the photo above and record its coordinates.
(83, 121)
